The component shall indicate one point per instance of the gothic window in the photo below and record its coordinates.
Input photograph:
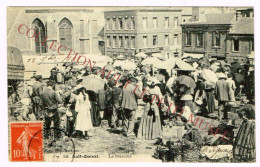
(39, 36)
(65, 33)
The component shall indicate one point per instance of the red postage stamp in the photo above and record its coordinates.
(26, 141)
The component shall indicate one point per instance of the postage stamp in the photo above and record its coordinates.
(26, 141)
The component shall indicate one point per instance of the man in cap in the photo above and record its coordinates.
(129, 106)
(50, 101)
(37, 88)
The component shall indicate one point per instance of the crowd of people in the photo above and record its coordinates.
(209, 90)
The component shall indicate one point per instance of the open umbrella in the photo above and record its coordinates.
(120, 57)
(183, 65)
(141, 54)
(158, 55)
(151, 61)
(155, 62)
(109, 67)
(187, 81)
(204, 61)
(91, 83)
(128, 65)
(70, 64)
(75, 70)
(209, 75)
(146, 69)
(118, 63)
(235, 67)
(170, 63)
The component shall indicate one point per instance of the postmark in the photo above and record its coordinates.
(56, 149)
(21, 134)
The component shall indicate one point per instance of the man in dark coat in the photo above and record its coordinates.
(37, 88)
(50, 101)
(116, 98)
(250, 84)
(129, 106)
(221, 92)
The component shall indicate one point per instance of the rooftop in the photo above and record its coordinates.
(214, 19)
(244, 26)
(146, 10)
(55, 10)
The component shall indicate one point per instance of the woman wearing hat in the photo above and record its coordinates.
(150, 126)
(83, 120)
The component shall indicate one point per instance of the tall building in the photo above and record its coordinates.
(128, 32)
(76, 28)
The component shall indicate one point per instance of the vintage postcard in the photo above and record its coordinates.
(131, 84)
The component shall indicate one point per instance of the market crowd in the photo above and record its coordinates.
(78, 99)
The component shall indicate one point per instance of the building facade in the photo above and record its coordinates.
(227, 35)
(75, 28)
(240, 40)
(129, 32)
(207, 40)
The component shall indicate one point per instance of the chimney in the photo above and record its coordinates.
(195, 13)
(251, 14)
(94, 27)
(238, 16)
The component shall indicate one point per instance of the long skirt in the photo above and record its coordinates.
(95, 115)
(244, 145)
(150, 127)
(210, 101)
(83, 120)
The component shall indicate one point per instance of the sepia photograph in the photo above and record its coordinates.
(171, 84)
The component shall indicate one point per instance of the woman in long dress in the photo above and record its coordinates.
(94, 111)
(210, 98)
(150, 126)
(83, 120)
(244, 145)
